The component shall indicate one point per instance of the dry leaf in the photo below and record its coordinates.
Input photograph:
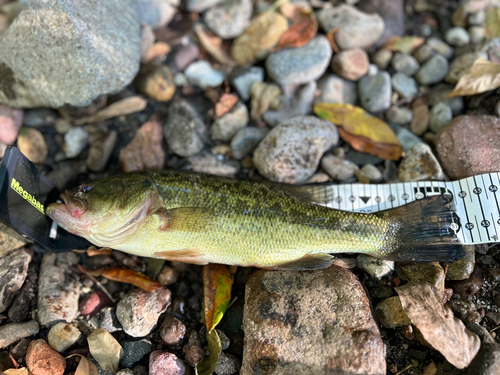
(122, 107)
(300, 33)
(492, 23)
(263, 96)
(331, 39)
(85, 367)
(217, 283)
(224, 105)
(105, 349)
(363, 131)
(483, 76)
(431, 369)
(124, 275)
(17, 371)
(404, 44)
(207, 365)
(213, 45)
(447, 334)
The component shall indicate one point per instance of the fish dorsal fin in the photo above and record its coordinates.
(307, 262)
(317, 193)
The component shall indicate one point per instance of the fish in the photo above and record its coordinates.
(200, 219)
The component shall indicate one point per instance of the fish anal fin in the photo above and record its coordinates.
(307, 262)
(187, 256)
(193, 219)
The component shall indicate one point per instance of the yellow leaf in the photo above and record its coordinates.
(404, 44)
(482, 76)
(17, 371)
(217, 283)
(105, 349)
(492, 23)
(363, 131)
(85, 367)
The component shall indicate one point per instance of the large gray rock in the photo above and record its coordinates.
(69, 52)
(311, 322)
(375, 92)
(292, 150)
(13, 271)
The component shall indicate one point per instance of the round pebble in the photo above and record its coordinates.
(477, 34)
(337, 90)
(134, 351)
(404, 85)
(32, 144)
(376, 268)
(228, 364)
(404, 63)
(440, 116)
(168, 276)
(457, 36)
(172, 331)
(163, 362)
(75, 140)
(369, 174)
(375, 92)
(62, 336)
(420, 164)
(477, 18)
(41, 359)
(224, 128)
(201, 73)
(242, 79)
(351, 64)
(433, 71)
(229, 19)
(245, 141)
(382, 58)
(399, 115)
(158, 84)
(339, 169)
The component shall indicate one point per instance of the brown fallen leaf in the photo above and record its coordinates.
(17, 371)
(85, 367)
(124, 275)
(483, 76)
(423, 304)
(492, 23)
(93, 251)
(224, 105)
(217, 284)
(364, 132)
(122, 107)
(331, 39)
(404, 44)
(299, 34)
(105, 349)
(213, 45)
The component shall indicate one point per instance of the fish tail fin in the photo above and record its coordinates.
(423, 231)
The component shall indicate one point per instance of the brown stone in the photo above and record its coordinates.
(420, 122)
(351, 64)
(43, 360)
(469, 145)
(310, 322)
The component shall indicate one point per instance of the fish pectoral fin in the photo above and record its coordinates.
(307, 262)
(187, 256)
(193, 219)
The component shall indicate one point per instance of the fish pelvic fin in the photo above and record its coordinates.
(423, 231)
(307, 262)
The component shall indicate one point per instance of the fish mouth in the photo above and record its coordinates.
(67, 214)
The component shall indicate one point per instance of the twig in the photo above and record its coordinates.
(101, 286)
(403, 370)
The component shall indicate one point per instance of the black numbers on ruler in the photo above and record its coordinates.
(391, 198)
(469, 226)
(352, 198)
(338, 199)
(462, 194)
(485, 223)
(493, 188)
(477, 190)
(405, 197)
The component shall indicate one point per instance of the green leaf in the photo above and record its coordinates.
(207, 365)
(217, 282)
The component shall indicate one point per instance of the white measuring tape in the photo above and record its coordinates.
(476, 200)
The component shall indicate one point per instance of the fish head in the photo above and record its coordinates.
(107, 208)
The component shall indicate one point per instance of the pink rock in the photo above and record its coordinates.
(165, 363)
(94, 303)
(10, 123)
(351, 64)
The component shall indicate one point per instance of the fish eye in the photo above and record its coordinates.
(87, 188)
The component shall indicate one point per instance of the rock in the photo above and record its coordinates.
(229, 19)
(404, 63)
(75, 140)
(264, 97)
(163, 362)
(432, 47)
(460, 66)
(382, 58)
(11, 121)
(298, 105)
(339, 169)
(107, 319)
(405, 137)
(375, 92)
(94, 302)
(390, 313)
(245, 141)
(127, 371)
(200, 6)
(211, 164)
(224, 340)
(351, 64)
(420, 164)
(228, 364)
(369, 173)
(62, 336)
(184, 131)
(32, 144)
(138, 311)
(12, 332)
(433, 71)
(200, 73)
(399, 115)
(420, 121)
(18, 350)
(467, 146)
(339, 331)
(41, 359)
(242, 79)
(157, 13)
(185, 56)
(477, 34)
(404, 85)
(101, 147)
(39, 117)
(356, 29)
(469, 287)
(194, 352)
(13, 271)
(457, 37)
(44, 34)
(172, 331)
(440, 116)
(337, 90)
(393, 14)
(58, 288)
(300, 65)
(168, 275)
(302, 140)
(430, 272)
(476, 18)
(487, 360)
(259, 38)
(21, 306)
(156, 82)
(376, 268)
(463, 310)
(438, 93)
(360, 158)
(134, 351)
(224, 128)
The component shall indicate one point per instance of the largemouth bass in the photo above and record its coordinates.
(202, 219)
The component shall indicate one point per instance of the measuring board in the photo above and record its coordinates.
(476, 201)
